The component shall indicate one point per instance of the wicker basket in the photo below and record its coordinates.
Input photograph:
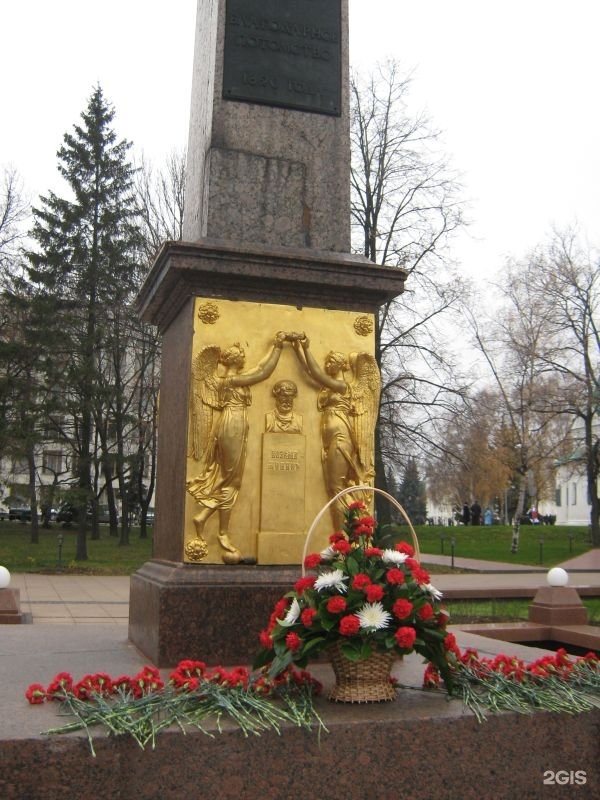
(369, 680)
(366, 681)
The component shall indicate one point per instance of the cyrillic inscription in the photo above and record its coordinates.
(284, 54)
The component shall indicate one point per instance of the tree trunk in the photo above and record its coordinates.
(593, 469)
(35, 529)
(516, 524)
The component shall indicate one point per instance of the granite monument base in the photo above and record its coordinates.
(420, 746)
(210, 613)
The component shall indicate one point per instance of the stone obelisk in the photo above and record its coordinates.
(269, 149)
(259, 304)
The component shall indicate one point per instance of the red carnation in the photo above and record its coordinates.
(356, 504)
(431, 677)
(123, 682)
(405, 637)
(335, 605)
(412, 563)
(35, 693)
(373, 551)
(293, 641)
(404, 547)
(367, 521)
(374, 593)
(402, 608)
(421, 575)
(425, 612)
(335, 537)
(265, 640)
(60, 685)
(395, 576)
(191, 667)
(312, 560)
(361, 581)
(304, 583)
(442, 618)
(342, 546)
(349, 625)
(307, 617)
(280, 608)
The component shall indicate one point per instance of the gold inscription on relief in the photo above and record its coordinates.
(283, 482)
(289, 455)
(278, 467)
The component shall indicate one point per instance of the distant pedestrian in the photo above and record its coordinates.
(488, 517)
(475, 513)
(466, 514)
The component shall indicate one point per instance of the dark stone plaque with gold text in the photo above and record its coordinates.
(284, 53)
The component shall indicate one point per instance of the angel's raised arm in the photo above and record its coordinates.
(309, 363)
(265, 367)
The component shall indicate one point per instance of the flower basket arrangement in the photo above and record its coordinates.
(367, 597)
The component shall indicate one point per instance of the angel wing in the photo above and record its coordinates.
(365, 391)
(204, 401)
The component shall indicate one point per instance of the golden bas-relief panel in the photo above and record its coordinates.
(283, 405)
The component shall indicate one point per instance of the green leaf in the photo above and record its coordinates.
(280, 663)
(352, 565)
(280, 646)
(263, 658)
(312, 643)
(435, 634)
(328, 624)
(350, 651)
(366, 650)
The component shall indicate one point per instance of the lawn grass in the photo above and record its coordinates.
(492, 542)
(506, 610)
(105, 555)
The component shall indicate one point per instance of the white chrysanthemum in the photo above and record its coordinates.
(373, 616)
(435, 593)
(328, 554)
(292, 615)
(331, 580)
(393, 557)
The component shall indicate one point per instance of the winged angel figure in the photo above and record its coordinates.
(219, 435)
(349, 403)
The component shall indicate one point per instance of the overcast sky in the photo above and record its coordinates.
(512, 84)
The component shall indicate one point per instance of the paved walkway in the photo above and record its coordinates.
(73, 599)
(76, 599)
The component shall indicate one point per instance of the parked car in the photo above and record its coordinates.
(150, 516)
(4, 514)
(20, 514)
(66, 513)
(103, 514)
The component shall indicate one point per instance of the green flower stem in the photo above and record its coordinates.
(143, 718)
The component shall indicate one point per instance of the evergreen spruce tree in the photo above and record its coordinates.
(411, 494)
(84, 270)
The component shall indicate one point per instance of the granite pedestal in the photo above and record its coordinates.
(420, 745)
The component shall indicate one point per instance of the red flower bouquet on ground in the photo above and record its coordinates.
(365, 595)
